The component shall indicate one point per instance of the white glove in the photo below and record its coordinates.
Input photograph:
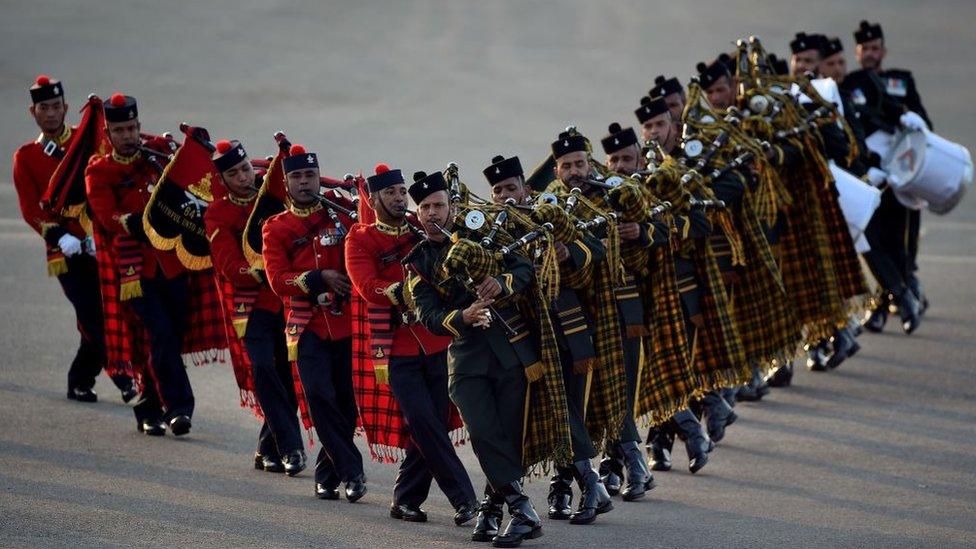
(89, 246)
(876, 177)
(70, 245)
(913, 121)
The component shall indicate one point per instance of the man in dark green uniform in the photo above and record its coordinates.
(486, 377)
(900, 86)
(573, 332)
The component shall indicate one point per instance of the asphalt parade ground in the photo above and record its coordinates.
(879, 453)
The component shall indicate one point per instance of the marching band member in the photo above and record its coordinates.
(303, 259)
(256, 313)
(70, 254)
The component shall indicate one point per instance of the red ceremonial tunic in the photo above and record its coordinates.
(118, 186)
(34, 163)
(299, 244)
(225, 220)
(373, 254)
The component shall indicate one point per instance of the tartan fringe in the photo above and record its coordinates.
(249, 400)
(382, 373)
(384, 453)
(584, 366)
(57, 266)
(534, 372)
(636, 330)
(130, 290)
(207, 357)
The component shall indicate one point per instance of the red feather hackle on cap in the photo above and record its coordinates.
(117, 100)
(381, 168)
(296, 149)
(223, 146)
(42, 80)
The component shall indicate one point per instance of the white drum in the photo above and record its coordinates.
(928, 169)
(858, 200)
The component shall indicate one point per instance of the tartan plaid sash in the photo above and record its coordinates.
(664, 383)
(234, 307)
(606, 399)
(129, 252)
(381, 331)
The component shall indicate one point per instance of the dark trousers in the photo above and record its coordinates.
(888, 235)
(575, 386)
(419, 384)
(493, 407)
(632, 348)
(81, 287)
(274, 387)
(325, 368)
(163, 310)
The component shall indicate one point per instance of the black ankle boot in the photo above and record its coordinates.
(817, 357)
(561, 494)
(908, 310)
(612, 471)
(782, 376)
(639, 479)
(524, 524)
(660, 441)
(594, 499)
(489, 516)
(719, 415)
(875, 321)
(915, 285)
(845, 346)
(696, 439)
(755, 389)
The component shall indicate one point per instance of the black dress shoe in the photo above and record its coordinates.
(272, 464)
(355, 490)
(153, 428)
(464, 513)
(561, 494)
(180, 425)
(258, 461)
(82, 395)
(293, 462)
(326, 492)
(409, 513)
(129, 393)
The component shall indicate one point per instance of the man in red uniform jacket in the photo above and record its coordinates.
(259, 309)
(303, 258)
(153, 282)
(70, 253)
(417, 359)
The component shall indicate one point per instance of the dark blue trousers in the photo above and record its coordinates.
(325, 368)
(264, 340)
(419, 384)
(163, 310)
